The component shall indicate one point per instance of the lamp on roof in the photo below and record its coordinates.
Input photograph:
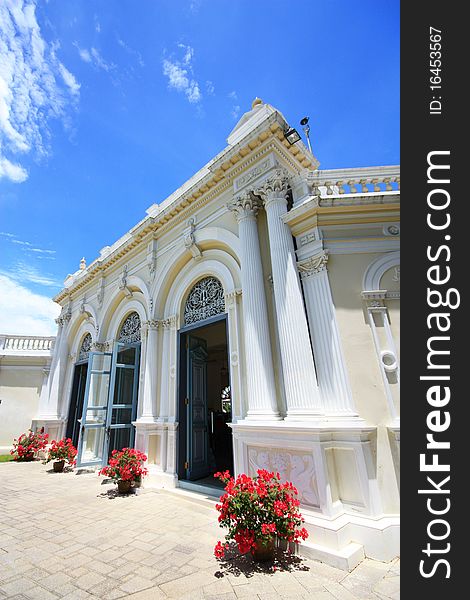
(292, 135)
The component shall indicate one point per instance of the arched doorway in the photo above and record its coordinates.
(205, 440)
(110, 399)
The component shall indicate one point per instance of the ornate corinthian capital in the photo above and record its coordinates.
(313, 265)
(245, 206)
(275, 187)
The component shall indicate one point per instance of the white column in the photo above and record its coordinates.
(49, 405)
(163, 413)
(332, 375)
(149, 401)
(298, 369)
(261, 390)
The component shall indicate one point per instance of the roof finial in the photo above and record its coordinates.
(256, 102)
(82, 264)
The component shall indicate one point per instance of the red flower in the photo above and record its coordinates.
(256, 508)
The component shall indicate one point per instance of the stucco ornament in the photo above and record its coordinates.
(85, 347)
(131, 329)
(292, 466)
(205, 300)
(245, 206)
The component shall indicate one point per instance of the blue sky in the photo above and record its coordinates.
(108, 106)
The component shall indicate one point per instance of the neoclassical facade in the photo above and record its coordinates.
(248, 321)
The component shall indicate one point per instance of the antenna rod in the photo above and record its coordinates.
(306, 128)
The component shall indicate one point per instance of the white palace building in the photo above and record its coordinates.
(250, 320)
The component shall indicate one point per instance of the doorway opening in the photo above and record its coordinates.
(205, 403)
(76, 401)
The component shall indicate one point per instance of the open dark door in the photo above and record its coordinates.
(197, 465)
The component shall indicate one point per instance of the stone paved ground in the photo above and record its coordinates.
(71, 536)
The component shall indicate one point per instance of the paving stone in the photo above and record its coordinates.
(89, 580)
(56, 580)
(40, 593)
(136, 584)
(389, 586)
(130, 548)
(17, 586)
(341, 593)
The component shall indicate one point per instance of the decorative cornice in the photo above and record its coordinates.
(313, 265)
(220, 176)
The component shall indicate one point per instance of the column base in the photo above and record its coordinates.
(53, 426)
(262, 416)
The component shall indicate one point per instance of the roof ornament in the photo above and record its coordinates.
(256, 102)
(83, 264)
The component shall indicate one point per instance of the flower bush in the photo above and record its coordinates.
(254, 509)
(25, 447)
(62, 450)
(125, 464)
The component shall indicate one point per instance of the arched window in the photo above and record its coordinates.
(130, 330)
(85, 348)
(205, 300)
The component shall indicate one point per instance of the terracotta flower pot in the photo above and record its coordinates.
(124, 487)
(58, 466)
(264, 550)
(27, 457)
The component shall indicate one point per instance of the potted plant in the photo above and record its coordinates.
(125, 467)
(60, 452)
(256, 510)
(28, 444)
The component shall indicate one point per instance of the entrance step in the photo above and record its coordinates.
(200, 488)
(346, 559)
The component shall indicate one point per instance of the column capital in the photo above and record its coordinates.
(64, 317)
(152, 324)
(245, 206)
(275, 187)
(169, 322)
(313, 265)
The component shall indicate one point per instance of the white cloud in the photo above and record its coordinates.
(83, 53)
(23, 312)
(131, 51)
(235, 107)
(210, 89)
(15, 173)
(69, 80)
(188, 53)
(235, 111)
(180, 75)
(24, 273)
(34, 87)
(93, 57)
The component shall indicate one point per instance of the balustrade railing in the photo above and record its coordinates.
(26, 343)
(335, 182)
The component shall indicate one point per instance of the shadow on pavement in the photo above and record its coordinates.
(112, 494)
(237, 564)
